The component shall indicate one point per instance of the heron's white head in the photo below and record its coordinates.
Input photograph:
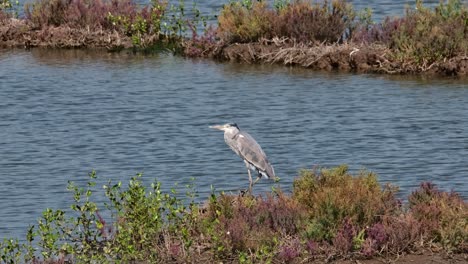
(229, 127)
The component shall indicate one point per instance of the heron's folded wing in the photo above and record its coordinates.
(251, 151)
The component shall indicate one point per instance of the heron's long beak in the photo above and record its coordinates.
(220, 127)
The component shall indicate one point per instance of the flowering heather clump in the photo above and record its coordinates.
(443, 215)
(381, 33)
(329, 21)
(200, 45)
(319, 22)
(343, 241)
(249, 223)
(403, 232)
(377, 234)
(423, 35)
(82, 22)
(428, 35)
(290, 251)
(123, 15)
(376, 239)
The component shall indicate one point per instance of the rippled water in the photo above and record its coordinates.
(64, 113)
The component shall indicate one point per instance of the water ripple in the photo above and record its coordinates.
(64, 113)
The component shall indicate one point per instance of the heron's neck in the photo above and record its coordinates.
(232, 133)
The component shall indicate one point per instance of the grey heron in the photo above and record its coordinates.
(245, 146)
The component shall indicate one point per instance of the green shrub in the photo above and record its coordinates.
(429, 35)
(319, 22)
(249, 21)
(244, 22)
(334, 195)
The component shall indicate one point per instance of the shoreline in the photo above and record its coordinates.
(343, 57)
(319, 222)
(428, 42)
(346, 57)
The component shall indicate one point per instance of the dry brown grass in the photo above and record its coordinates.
(372, 58)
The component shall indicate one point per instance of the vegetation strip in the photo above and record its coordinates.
(321, 35)
(331, 215)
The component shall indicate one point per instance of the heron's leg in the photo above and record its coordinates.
(256, 180)
(250, 177)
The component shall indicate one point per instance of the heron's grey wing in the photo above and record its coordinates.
(250, 150)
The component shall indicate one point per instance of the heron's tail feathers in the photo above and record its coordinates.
(269, 174)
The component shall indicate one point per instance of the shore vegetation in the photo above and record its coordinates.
(325, 35)
(330, 215)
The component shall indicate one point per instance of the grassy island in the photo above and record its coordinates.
(330, 216)
(327, 35)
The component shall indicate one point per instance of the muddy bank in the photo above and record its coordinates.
(344, 57)
(15, 33)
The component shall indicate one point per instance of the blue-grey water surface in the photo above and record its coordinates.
(64, 113)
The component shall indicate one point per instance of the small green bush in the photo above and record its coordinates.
(241, 22)
(333, 196)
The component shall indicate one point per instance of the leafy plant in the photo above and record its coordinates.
(443, 215)
(244, 21)
(330, 213)
(424, 35)
(328, 22)
(280, 5)
(333, 195)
